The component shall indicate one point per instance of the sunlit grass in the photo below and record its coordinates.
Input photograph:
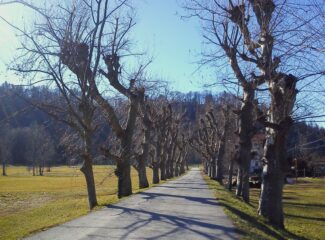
(30, 203)
(304, 206)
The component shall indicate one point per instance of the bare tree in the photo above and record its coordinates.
(142, 159)
(266, 42)
(224, 29)
(205, 142)
(39, 148)
(6, 139)
(90, 39)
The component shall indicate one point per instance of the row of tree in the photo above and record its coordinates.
(80, 48)
(83, 51)
(271, 49)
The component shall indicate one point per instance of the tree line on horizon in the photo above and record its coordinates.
(26, 127)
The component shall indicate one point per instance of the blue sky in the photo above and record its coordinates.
(173, 43)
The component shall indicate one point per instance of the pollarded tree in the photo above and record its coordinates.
(224, 30)
(41, 60)
(206, 142)
(86, 40)
(160, 118)
(267, 43)
(147, 112)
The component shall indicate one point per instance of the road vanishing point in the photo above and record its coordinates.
(184, 208)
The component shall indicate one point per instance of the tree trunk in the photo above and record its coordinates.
(270, 203)
(176, 170)
(182, 166)
(123, 172)
(213, 168)
(162, 170)
(123, 169)
(142, 174)
(177, 165)
(155, 173)
(206, 167)
(40, 170)
(87, 170)
(4, 168)
(163, 159)
(221, 153)
(239, 181)
(172, 171)
(142, 160)
(245, 183)
(230, 173)
(283, 92)
(209, 170)
(168, 174)
(246, 132)
(34, 169)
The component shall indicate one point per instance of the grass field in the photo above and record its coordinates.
(30, 203)
(304, 207)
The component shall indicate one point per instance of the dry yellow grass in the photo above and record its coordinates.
(30, 203)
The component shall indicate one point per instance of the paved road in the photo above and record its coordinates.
(181, 209)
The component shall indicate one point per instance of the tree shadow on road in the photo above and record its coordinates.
(179, 187)
(175, 224)
(203, 200)
(188, 183)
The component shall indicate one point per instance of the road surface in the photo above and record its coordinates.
(180, 209)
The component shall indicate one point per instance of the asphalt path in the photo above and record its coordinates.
(184, 208)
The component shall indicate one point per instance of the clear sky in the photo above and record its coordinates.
(173, 43)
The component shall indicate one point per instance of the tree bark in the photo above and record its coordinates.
(173, 159)
(239, 184)
(34, 169)
(246, 132)
(142, 174)
(87, 170)
(4, 168)
(206, 167)
(221, 153)
(168, 174)
(142, 159)
(230, 173)
(123, 168)
(283, 92)
(209, 170)
(162, 170)
(156, 163)
(245, 182)
(172, 170)
(123, 172)
(182, 164)
(155, 173)
(177, 165)
(213, 167)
